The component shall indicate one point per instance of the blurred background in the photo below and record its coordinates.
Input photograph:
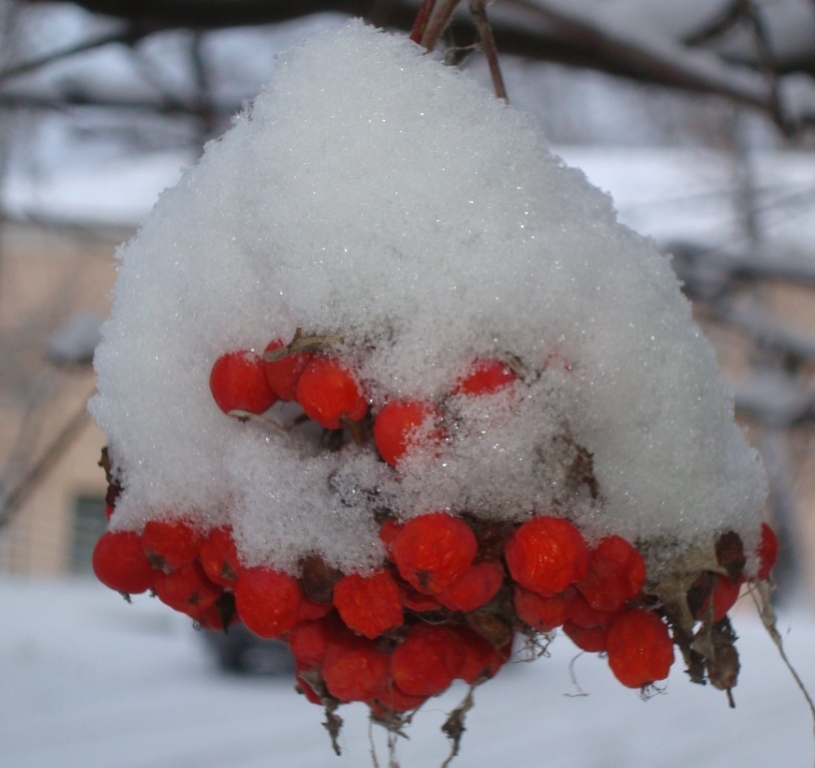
(697, 116)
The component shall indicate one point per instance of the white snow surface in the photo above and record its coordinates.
(91, 682)
(376, 194)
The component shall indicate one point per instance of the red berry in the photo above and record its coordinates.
(213, 618)
(187, 590)
(238, 383)
(309, 642)
(267, 600)
(639, 647)
(721, 597)
(590, 639)
(475, 588)
(355, 670)
(581, 613)
(388, 532)
(616, 574)
(485, 377)
(283, 374)
(418, 601)
(369, 605)
(405, 426)
(219, 556)
(120, 563)
(311, 609)
(481, 660)
(108, 511)
(547, 554)
(170, 544)
(433, 551)
(428, 660)
(539, 612)
(329, 392)
(767, 551)
(396, 701)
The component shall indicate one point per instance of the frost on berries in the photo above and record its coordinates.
(386, 380)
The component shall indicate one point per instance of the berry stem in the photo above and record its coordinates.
(301, 343)
(437, 23)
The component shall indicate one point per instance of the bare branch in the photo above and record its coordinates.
(478, 10)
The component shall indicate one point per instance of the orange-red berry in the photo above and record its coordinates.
(475, 588)
(238, 383)
(405, 426)
(388, 532)
(170, 544)
(428, 660)
(639, 647)
(616, 574)
(590, 639)
(120, 563)
(485, 377)
(283, 374)
(418, 601)
(547, 554)
(433, 551)
(309, 641)
(481, 660)
(721, 597)
(539, 612)
(355, 670)
(396, 701)
(581, 613)
(219, 556)
(369, 605)
(267, 601)
(329, 392)
(187, 590)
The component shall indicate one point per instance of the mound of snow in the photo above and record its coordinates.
(375, 194)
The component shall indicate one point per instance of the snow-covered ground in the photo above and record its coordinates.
(87, 681)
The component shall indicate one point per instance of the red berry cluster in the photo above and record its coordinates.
(453, 590)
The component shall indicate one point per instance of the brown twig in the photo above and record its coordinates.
(438, 23)
(420, 25)
(478, 10)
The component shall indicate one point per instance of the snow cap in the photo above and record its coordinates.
(374, 194)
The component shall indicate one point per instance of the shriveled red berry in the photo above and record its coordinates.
(539, 612)
(305, 687)
(547, 554)
(481, 660)
(475, 588)
(485, 377)
(187, 590)
(590, 639)
(219, 556)
(369, 605)
(238, 383)
(283, 374)
(616, 574)
(428, 660)
(267, 600)
(433, 551)
(767, 551)
(405, 426)
(120, 563)
(329, 392)
(639, 647)
(355, 670)
(170, 544)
